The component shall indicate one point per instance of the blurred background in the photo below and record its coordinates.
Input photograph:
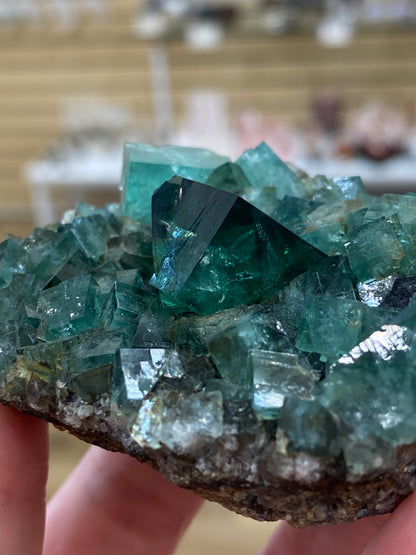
(329, 84)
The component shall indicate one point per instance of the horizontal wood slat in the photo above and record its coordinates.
(40, 69)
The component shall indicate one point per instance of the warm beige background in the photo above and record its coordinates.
(214, 531)
(42, 68)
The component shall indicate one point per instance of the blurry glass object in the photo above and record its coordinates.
(176, 8)
(150, 25)
(206, 24)
(336, 28)
(206, 123)
(280, 17)
(201, 23)
(222, 12)
(66, 16)
(150, 21)
(18, 12)
(203, 34)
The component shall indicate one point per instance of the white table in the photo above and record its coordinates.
(86, 172)
(77, 176)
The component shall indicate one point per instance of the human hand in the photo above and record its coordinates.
(113, 504)
(110, 504)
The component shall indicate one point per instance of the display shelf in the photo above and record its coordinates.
(76, 175)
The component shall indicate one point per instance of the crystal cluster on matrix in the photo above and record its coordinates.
(245, 328)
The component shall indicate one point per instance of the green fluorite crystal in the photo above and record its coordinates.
(146, 167)
(212, 250)
(180, 422)
(278, 376)
(69, 308)
(265, 169)
(246, 328)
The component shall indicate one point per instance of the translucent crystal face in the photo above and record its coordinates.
(212, 250)
(261, 307)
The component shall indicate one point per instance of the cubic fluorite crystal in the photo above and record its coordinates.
(245, 329)
(212, 250)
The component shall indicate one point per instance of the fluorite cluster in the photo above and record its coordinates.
(245, 329)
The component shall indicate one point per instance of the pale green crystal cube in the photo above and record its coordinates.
(147, 167)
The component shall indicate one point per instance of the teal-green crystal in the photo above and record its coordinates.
(330, 224)
(138, 370)
(374, 250)
(323, 189)
(8, 343)
(264, 168)
(389, 204)
(55, 259)
(88, 366)
(245, 328)
(93, 233)
(12, 260)
(18, 298)
(69, 308)
(350, 187)
(298, 414)
(230, 177)
(320, 316)
(231, 336)
(146, 167)
(213, 250)
(277, 376)
(124, 306)
(293, 212)
(179, 421)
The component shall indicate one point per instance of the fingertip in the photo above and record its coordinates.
(398, 534)
(23, 476)
(113, 503)
(343, 539)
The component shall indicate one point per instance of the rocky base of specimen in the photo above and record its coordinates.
(294, 488)
(256, 343)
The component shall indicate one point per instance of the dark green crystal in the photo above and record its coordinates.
(213, 250)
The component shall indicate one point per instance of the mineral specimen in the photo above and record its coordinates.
(245, 329)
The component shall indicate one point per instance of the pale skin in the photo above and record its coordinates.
(113, 504)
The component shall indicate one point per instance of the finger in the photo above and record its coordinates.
(23, 475)
(113, 504)
(398, 535)
(343, 539)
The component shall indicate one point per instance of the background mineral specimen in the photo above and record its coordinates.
(256, 343)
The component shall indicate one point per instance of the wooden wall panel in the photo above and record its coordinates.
(41, 68)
